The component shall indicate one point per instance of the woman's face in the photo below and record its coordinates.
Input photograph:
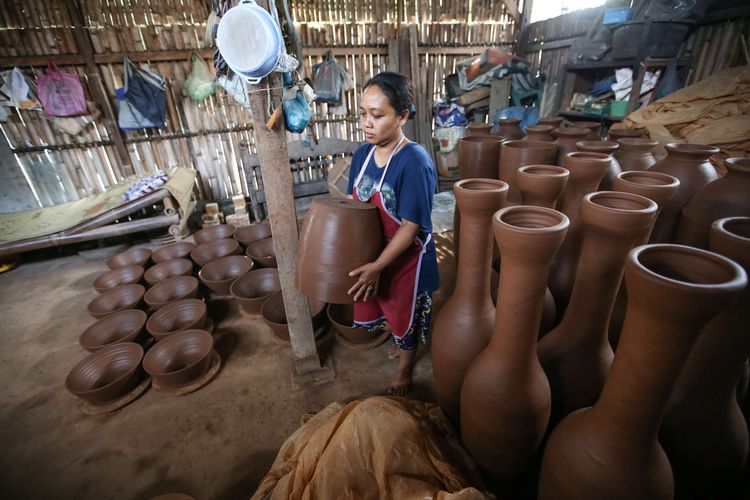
(378, 119)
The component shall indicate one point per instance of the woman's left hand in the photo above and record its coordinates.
(367, 284)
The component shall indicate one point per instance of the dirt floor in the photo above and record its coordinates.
(216, 443)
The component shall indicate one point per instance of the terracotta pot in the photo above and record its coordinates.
(688, 163)
(704, 432)
(606, 147)
(180, 359)
(541, 185)
(171, 290)
(274, 314)
(595, 129)
(338, 235)
(478, 129)
(566, 139)
(478, 156)
(168, 269)
(253, 232)
(219, 274)
(213, 233)
(505, 398)
(116, 328)
(206, 252)
(263, 252)
(727, 196)
(186, 314)
(509, 128)
(611, 449)
(254, 288)
(635, 153)
(107, 374)
(463, 326)
(516, 154)
(576, 354)
(341, 317)
(615, 134)
(180, 250)
(115, 300)
(555, 121)
(130, 257)
(126, 275)
(539, 133)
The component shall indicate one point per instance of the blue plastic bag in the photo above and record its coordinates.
(297, 113)
(449, 114)
(528, 116)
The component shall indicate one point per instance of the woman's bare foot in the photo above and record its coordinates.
(393, 352)
(401, 381)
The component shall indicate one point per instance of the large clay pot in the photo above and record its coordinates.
(611, 449)
(509, 128)
(576, 354)
(606, 147)
(614, 134)
(505, 398)
(479, 129)
(727, 196)
(595, 129)
(464, 325)
(704, 432)
(478, 156)
(541, 185)
(338, 236)
(635, 153)
(555, 121)
(688, 163)
(539, 133)
(516, 154)
(566, 139)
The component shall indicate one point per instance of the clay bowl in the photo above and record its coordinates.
(263, 252)
(213, 233)
(274, 315)
(116, 328)
(107, 374)
(341, 317)
(118, 299)
(130, 257)
(186, 314)
(252, 289)
(168, 269)
(181, 358)
(206, 252)
(126, 275)
(179, 250)
(219, 274)
(253, 232)
(171, 290)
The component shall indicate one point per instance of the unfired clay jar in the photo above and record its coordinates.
(539, 133)
(614, 134)
(509, 128)
(635, 153)
(566, 139)
(516, 154)
(611, 449)
(107, 374)
(576, 354)
(505, 398)
(464, 325)
(541, 185)
(338, 236)
(213, 233)
(606, 147)
(594, 129)
(478, 156)
(727, 196)
(688, 163)
(475, 129)
(704, 432)
(555, 121)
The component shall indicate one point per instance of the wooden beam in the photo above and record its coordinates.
(512, 7)
(468, 50)
(105, 58)
(321, 51)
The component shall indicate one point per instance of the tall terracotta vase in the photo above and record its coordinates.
(606, 147)
(576, 354)
(464, 325)
(541, 185)
(509, 128)
(611, 449)
(635, 153)
(689, 163)
(595, 129)
(613, 134)
(727, 196)
(479, 129)
(516, 154)
(704, 432)
(505, 399)
(478, 156)
(555, 121)
(539, 133)
(566, 139)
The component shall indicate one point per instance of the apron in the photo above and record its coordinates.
(397, 291)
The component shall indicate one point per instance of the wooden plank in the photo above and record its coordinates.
(110, 57)
(499, 95)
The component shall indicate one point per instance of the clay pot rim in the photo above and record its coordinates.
(627, 131)
(127, 346)
(480, 126)
(571, 131)
(108, 319)
(348, 202)
(638, 205)
(728, 227)
(218, 262)
(170, 308)
(691, 149)
(141, 291)
(161, 346)
(670, 182)
(557, 119)
(494, 139)
(638, 141)
(128, 252)
(157, 258)
(540, 127)
(507, 217)
(157, 303)
(251, 247)
(185, 265)
(547, 171)
(585, 124)
(738, 164)
(245, 241)
(529, 144)
(116, 271)
(197, 256)
(198, 236)
(481, 185)
(597, 146)
(254, 273)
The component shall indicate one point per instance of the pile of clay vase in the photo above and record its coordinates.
(614, 361)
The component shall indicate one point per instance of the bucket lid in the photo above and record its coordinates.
(248, 38)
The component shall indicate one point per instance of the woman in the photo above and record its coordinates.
(398, 177)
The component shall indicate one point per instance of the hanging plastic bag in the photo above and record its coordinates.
(128, 116)
(74, 125)
(61, 93)
(146, 91)
(236, 87)
(200, 83)
(19, 89)
(329, 79)
(297, 113)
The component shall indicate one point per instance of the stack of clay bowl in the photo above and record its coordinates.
(219, 274)
(341, 317)
(274, 315)
(171, 278)
(254, 288)
(182, 362)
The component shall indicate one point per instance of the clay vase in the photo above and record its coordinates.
(539, 133)
(555, 121)
(516, 154)
(614, 134)
(635, 153)
(576, 354)
(541, 185)
(509, 128)
(688, 163)
(464, 325)
(595, 129)
(611, 450)
(478, 156)
(727, 196)
(505, 397)
(479, 129)
(704, 432)
(338, 235)
(606, 147)
(566, 139)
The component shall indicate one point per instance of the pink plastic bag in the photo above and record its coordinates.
(61, 93)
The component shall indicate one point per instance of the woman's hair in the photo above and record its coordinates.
(397, 88)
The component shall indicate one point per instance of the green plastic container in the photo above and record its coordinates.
(618, 108)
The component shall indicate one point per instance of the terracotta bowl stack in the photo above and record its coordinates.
(106, 375)
(115, 300)
(254, 288)
(130, 257)
(213, 233)
(171, 290)
(187, 314)
(168, 269)
(263, 252)
(253, 232)
(123, 326)
(206, 252)
(341, 317)
(180, 359)
(180, 250)
(274, 315)
(219, 274)
(126, 275)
